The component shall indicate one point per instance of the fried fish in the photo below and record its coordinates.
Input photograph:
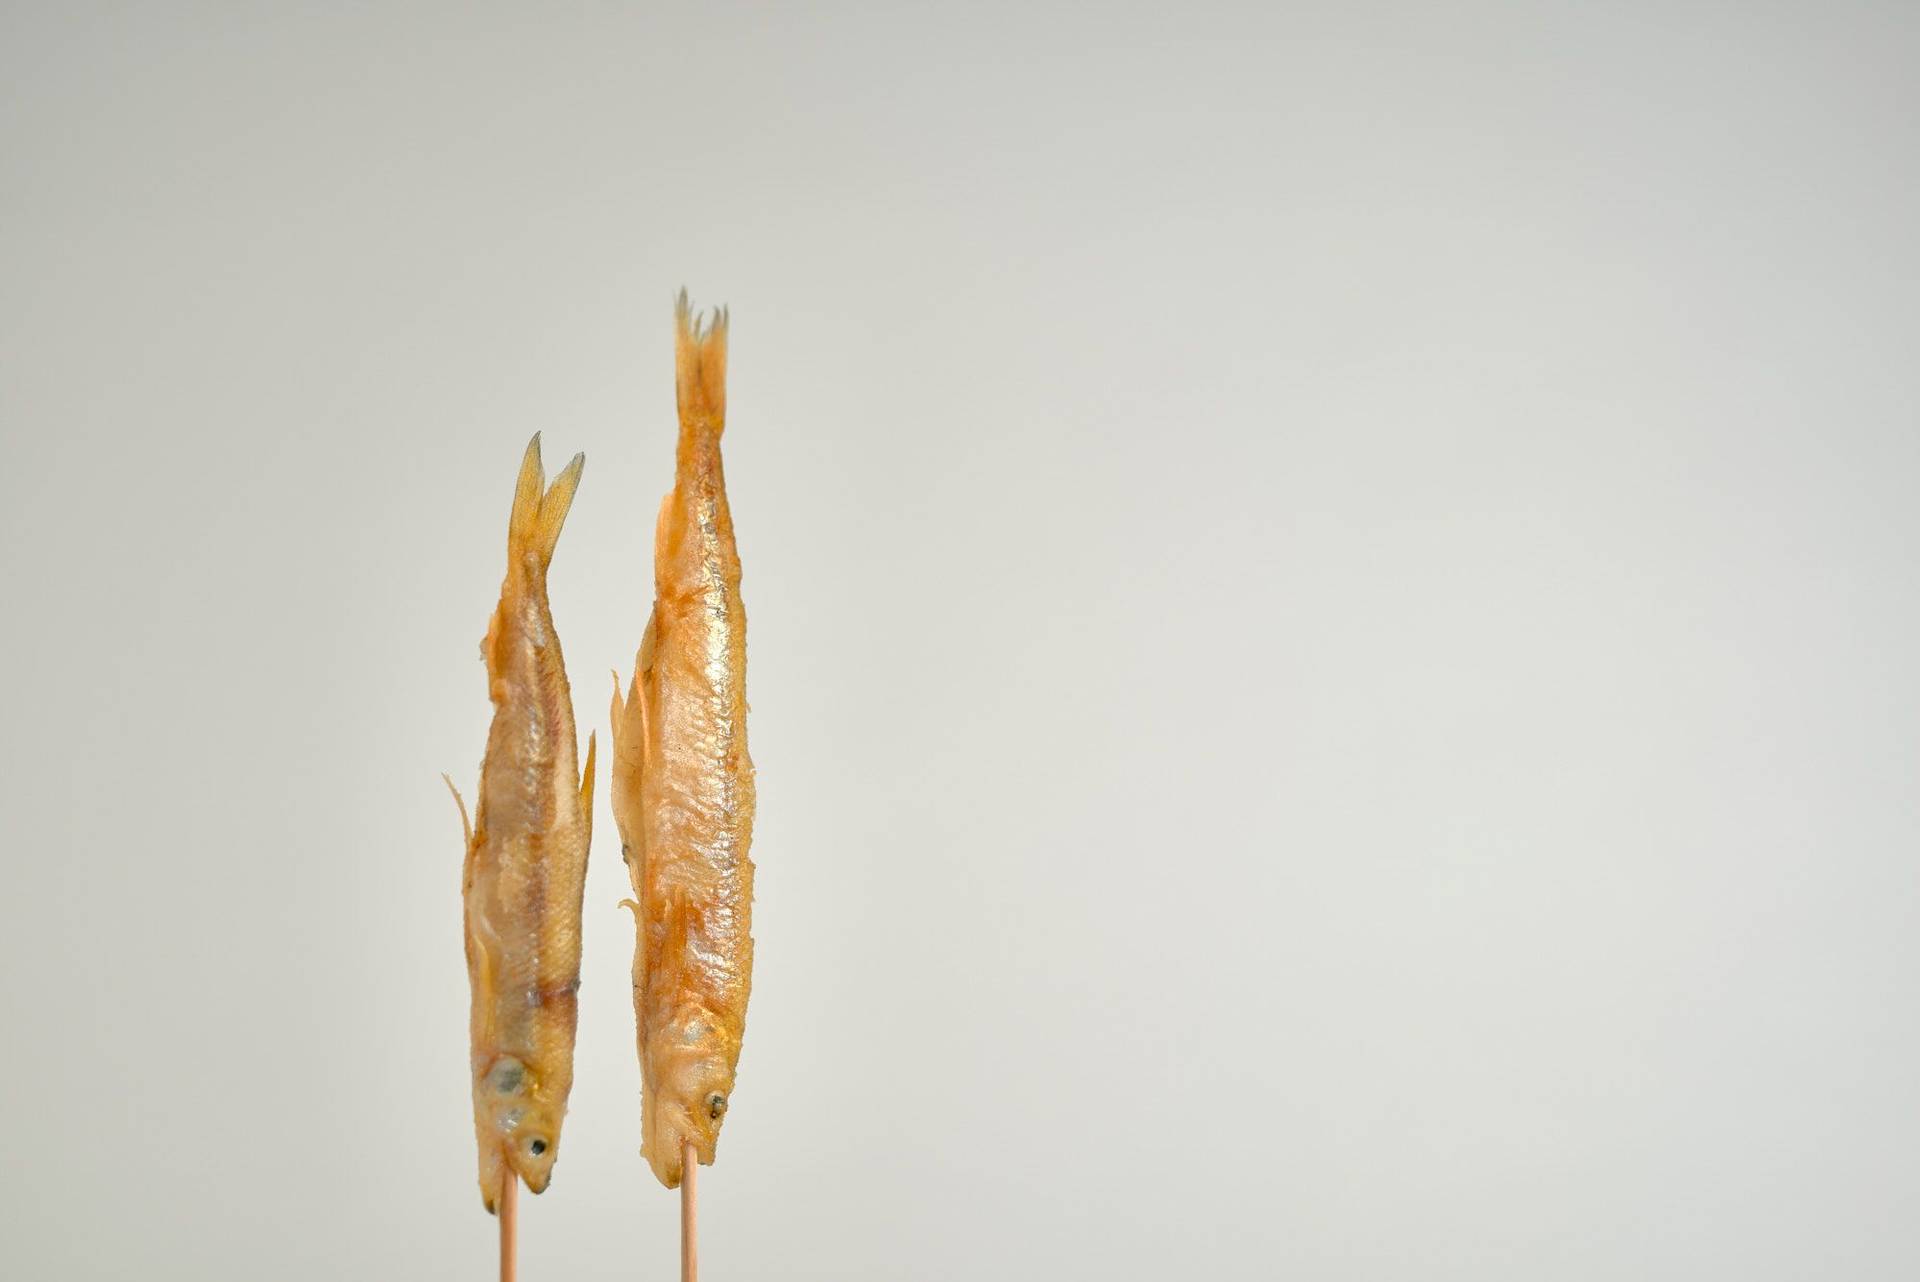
(683, 788)
(526, 859)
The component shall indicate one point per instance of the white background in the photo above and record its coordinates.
(1333, 627)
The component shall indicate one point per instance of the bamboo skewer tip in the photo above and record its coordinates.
(509, 1226)
(689, 1215)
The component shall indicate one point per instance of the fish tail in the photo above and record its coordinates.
(539, 509)
(700, 369)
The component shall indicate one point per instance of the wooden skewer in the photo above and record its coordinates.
(689, 1210)
(509, 1225)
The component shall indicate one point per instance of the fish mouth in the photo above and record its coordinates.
(495, 1171)
(664, 1155)
(669, 1129)
(671, 1166)
(536, 1178)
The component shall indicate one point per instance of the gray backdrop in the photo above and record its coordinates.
(1333, 627)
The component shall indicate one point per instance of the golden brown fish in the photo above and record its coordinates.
(683, 785)
(526, 859)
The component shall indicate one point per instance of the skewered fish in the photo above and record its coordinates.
(526, 859)
(683, 789)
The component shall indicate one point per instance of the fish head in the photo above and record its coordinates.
(527, 1124)
(691, 1083)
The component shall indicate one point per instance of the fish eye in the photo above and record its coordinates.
(536, 1146)
(716, 1105)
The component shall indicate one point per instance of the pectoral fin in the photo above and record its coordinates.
(466, 827)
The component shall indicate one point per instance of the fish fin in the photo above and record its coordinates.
(526, 497)
(632, 706)
(466, 824)
(642, 678)
(643, 658)
(623, 711)
(617, 719)
(623, 772)
(466, 828)
(479, 960)
(586, 790)
(556, 503)
(539, 510)
(700, 368)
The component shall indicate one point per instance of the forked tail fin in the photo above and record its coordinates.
(539, 509)
(700, 368)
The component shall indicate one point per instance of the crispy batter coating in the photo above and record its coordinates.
(683, 786)
(526, 860)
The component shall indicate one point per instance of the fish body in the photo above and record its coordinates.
(526, 860)
(683, 786)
